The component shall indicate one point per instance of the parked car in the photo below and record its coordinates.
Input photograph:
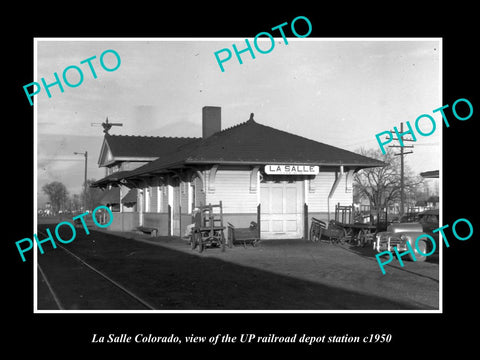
(430, 221)
(397, 235)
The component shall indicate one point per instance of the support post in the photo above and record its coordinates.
(259, 221)
(169, 220)
(305, 221)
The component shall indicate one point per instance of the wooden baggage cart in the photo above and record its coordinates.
(336, 232)
(208, 228)
(244, 236)
(360, 234)
(344, 228)
(357, 233)
(332, 233)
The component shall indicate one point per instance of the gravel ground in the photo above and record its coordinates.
(274, 275)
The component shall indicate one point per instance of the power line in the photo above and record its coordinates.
(370, 140)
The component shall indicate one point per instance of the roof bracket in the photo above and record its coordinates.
(338, 178)
(202, 178)
(337, 181)
(211, 178)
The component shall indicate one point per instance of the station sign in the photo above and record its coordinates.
(279, 169)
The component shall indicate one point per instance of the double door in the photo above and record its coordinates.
(281, 210)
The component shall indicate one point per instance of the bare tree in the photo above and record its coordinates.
(381, 185)
(58, 195)
(75, 202)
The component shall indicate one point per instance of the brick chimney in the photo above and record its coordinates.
(211, 120)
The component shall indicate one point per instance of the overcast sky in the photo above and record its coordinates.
(334, 91)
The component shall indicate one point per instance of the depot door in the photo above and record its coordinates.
(281, 210)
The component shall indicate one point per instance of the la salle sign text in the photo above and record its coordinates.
(291, 169)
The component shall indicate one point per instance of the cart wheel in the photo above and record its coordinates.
(369, 237)
(360, 238)
(349, 235)
(314, 233)
(363, 237)
(193, 242)
(222, 239)
(200, 242)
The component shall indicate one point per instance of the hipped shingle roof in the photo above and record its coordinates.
(254, 143)
(143, 146)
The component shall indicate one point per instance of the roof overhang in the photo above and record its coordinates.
(111, 196)
(276, 161)
(194, 164)
(435, 174)
(112, 179)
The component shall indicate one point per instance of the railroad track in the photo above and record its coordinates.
(86, 266)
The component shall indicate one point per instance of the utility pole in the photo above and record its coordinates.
(85, 179)
(402, 166)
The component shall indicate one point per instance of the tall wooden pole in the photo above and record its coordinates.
(85, 154)
(402, 181)
(85, 183)
(402, 169)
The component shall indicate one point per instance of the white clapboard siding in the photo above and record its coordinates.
(232, 187)
(341, 195)
(153, 199)
(184, 196)
(164, 198)
(320, 188)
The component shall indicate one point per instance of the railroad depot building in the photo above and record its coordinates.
(256, 171)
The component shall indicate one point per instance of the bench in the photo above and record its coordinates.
(148, 230)
(243, 236)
